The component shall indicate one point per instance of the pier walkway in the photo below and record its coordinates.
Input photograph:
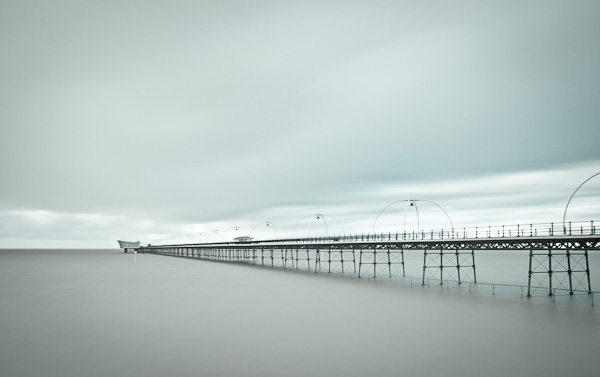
(558, 255)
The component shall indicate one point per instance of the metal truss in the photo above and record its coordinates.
(555, 262)
(449, 265)
(550, 270)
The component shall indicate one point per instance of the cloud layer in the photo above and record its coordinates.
(202, 113)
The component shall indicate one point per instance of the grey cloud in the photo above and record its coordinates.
(209, 111)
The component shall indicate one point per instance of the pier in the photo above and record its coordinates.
(558, 255)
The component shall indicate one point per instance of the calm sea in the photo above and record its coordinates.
(105, 313)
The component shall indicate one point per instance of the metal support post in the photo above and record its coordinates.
(530, 273)
(402, 255)
(441, 267)
(389, 263)
(569, 272)
(474, 270)
(549, 272)
(374, 263)
(587, 271)
(424, 265)
(317, 260)
(360, 262)
(458, 266)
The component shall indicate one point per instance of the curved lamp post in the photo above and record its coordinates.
(211, 233)
(228, 233)
(413, 203)
(572, 195)
(267, 223)
(298, 223)
(318, 216)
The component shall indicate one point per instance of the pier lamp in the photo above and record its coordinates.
(235, 229)
(572, 195)
(208, 236)
(413, 203)
(319, 216)
(268, 224)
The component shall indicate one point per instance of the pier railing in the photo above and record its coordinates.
(583, 228)
(558, 253)
(532, 230)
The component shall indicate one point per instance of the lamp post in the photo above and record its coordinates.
(228, 233)
(413, 203)
(267, 224)
(208, 236)
(319, 216)
(572, 195)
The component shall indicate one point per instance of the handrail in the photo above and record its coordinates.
(580, 228)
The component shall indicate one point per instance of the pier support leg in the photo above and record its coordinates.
(530, 273)
(424, 265)
(587, 272)
(403, 270)
(360, 262)
(474, 271)
(458, 266)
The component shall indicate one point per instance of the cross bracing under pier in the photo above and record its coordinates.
(554, 261)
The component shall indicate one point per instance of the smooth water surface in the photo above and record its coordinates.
(105, 313)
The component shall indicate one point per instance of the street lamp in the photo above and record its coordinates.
(319, 216)
(267, 224)
(413, 203)
(572, 195)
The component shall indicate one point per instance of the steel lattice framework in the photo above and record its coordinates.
(554, 261)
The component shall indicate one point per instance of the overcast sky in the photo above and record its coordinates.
(144, 120)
